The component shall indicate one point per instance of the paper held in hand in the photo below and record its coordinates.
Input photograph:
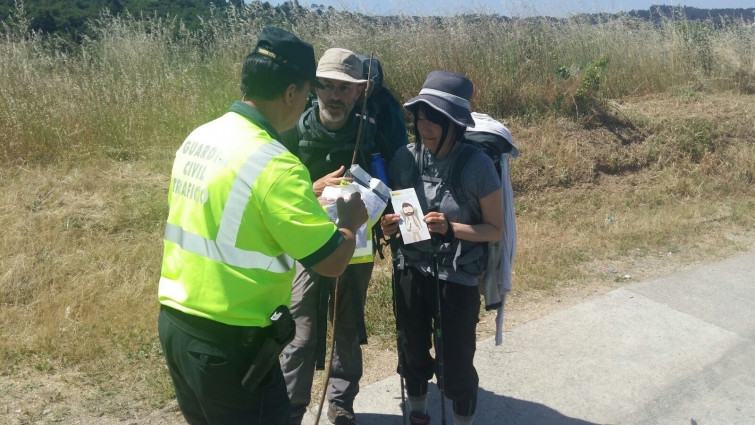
(375, 195)
(413, 227)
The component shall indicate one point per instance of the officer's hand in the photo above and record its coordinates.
(333, 179)
(352, 214)
(389, 224)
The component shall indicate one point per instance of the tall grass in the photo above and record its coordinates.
(87, 133)
(137, 83)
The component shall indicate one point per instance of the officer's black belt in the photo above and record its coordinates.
(211, 330)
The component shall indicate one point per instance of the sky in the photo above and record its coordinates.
(513, 8)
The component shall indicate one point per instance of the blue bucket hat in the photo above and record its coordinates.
(447, 92)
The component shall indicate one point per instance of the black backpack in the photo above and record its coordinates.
(385, 109)
(390, 126)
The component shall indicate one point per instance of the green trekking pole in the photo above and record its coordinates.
(394, 288)
(439, 331)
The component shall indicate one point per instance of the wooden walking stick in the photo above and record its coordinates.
(332, 349)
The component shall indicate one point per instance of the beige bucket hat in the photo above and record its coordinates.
(342, 65)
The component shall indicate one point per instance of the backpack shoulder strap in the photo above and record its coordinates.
(300, 124)
(457, 170)
(414, 172)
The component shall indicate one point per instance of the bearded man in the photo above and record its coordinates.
(325, 139)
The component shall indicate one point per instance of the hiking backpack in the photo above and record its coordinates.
(384, 108)
(388, 114)
(494, 139)
(491, 140)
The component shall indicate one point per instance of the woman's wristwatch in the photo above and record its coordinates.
(449, 236)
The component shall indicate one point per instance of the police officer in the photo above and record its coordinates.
(241, 210)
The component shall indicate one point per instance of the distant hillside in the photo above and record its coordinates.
(658, 12)
(67, 19)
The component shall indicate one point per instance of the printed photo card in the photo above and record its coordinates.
(413, 227)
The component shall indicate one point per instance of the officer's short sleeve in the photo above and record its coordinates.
(294, 217)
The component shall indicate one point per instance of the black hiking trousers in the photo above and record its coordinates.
(416, 308)
(207, 361)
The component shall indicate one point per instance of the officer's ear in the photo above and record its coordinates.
(290, 94)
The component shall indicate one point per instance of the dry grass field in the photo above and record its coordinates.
(634, 163)
(82, 255)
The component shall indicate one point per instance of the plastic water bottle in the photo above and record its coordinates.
(378, 168)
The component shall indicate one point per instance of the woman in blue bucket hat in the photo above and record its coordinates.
(436, 289)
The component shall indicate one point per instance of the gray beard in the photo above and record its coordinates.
(326, 115)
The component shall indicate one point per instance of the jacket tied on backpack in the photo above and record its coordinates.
(495, 139)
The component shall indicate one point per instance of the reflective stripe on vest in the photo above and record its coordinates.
(224, 248)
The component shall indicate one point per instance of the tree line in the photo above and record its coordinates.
(68, 18)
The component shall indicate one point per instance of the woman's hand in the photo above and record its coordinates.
(437, 222)
(389, 224)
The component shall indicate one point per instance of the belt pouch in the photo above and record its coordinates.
(271, 345)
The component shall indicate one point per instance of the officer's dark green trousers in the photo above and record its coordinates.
(207, 361)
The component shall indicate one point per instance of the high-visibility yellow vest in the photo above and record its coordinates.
(241, 210)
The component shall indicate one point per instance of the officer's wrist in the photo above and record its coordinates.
(347, 232)
(351, 226)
